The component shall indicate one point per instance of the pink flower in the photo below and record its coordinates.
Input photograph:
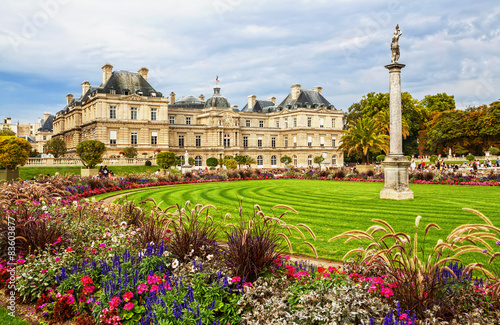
(44, 271)
(387, 292)
(86, 280)
(57, 259)
(154, 288)
(114, 302)
(88, 289)
(127, 296)
(20, 261)
(236, 278)
(142, 288)
(153, 279)
(129, 306)
(69, 249)
(102, 245)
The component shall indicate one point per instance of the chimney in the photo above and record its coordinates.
(295, 91)
(251, 101)
(202, 97)
(7, 120)
(172, 97)
(107, 70)
(69, 98)
(144, 73)
(85, 87)
(272, 99)
(318, 89)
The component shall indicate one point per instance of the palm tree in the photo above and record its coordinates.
(249, 161)
(364, 134)
(384, 121)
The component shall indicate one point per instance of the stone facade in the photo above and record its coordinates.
(126, 111)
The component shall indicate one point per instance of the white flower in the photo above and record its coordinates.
(86, 200)
(210, 256)
(229, 280)
(121, 235)
(44, 208)
(191, 253)
(105, 209)
(193, 269)
(166, 253)
(133, 233)
(175, 264)
(114, 239)
(92, 245)
(123, 223)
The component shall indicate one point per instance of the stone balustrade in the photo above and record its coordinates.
(37, 162)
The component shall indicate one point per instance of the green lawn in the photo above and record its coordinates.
(5, 318)
(28, 172)
(331, 208)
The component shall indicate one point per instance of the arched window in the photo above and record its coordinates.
(198, 162)
(295, 161)
(334, 160)
(260, 161)
(309, 160)
(273, 161)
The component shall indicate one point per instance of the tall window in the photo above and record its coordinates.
(198, 141)
(334, 160)
(333, 142)
(309, 122)
(154, 137)
(133, 137)
(286, 142)
(259, 142)
(245, 142)
(273, 142)
(309, 141)
(295, 161)
(294, 122)
(322, 141)
(309, 160)
(227, 140)
(260, 161)
(198, 162)
(277, 123)
(133, 113)
(112, 137)
(286, 123)
(333, 123)
(172, 119)
(181, 141)
(112, 112)
(247, 123)
(294, 141)
(153, 114)
(321, 122)
(261, 124)
(188, 120)
(273, 161)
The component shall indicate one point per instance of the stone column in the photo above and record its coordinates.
(396, 164)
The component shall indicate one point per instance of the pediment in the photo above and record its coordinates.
(134, 97)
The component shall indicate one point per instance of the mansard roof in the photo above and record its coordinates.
(47, 124)
(306, 99)
(128, 82)
(189, 101)
(261, 106)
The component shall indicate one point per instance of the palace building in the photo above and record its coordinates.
(125, 110)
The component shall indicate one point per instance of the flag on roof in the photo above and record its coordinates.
(217, 78)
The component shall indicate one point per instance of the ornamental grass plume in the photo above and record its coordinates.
(418, 271)
(253, 245)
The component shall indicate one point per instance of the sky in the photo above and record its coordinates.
(49, 47)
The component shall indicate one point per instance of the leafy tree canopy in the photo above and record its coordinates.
(55, 146)
(90, 152)
(165, 159)
(14, 151)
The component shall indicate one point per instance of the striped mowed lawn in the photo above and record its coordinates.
(332, 207)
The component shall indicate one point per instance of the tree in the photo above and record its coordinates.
(130, 152)
(439, 102)
(191, 161)
(90, 152)
(221, 161)
(14, 151)
(318, 160)
(212, 162)
(165, 159)
(33, 153)
(285, 160)
(240, 160)
(6, 132)
(363, 135)
(230, 163)
(249, 161)
(56, 147)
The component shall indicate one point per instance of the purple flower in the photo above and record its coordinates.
(498, 242)
(485, 251)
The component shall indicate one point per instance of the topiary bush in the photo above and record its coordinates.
(130, 152)
(56, 147)
(165, 159)
(494, 151)
(212, 162)
(380, 157)
(90, 152)
(14, 151)
(470, 157)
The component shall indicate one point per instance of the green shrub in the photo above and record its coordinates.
(433, 158)
(285, 160)
(470, 157)
(165, 159)
(380, 157)
(90, 152)
(55, 146)
(130, 152)
(494, 151)
(230, 163)
(14, 151)
(212, 162)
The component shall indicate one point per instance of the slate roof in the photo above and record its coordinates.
(307, 99)
(261, 106)
(120, 81)
(189, 101)
(47, 124)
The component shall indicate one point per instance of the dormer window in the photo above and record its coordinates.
(112, 91)
(153, 94)
(126, 92)
(139, 93)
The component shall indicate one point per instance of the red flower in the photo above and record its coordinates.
(321, 269)
(69, 249)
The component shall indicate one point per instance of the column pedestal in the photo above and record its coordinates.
(396, 179)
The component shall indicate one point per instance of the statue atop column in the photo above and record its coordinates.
(395, 45)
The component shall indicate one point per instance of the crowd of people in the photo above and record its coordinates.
(450, 167)
(105, 172)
